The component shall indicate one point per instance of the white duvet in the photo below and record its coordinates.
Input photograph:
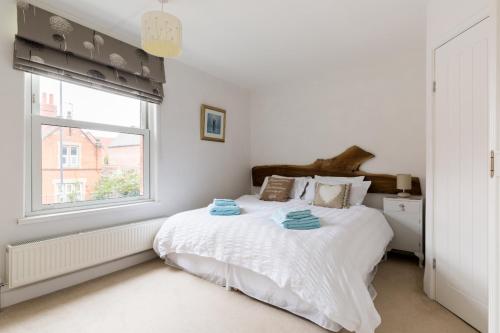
(326, 267)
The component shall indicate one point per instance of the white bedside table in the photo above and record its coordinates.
(405, 215)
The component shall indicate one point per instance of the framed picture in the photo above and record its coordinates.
(213, 124)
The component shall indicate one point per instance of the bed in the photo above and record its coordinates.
(323, 275)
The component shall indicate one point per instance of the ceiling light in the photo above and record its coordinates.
(161, 33)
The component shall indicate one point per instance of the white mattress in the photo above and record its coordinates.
(322, 275)
(254, 285)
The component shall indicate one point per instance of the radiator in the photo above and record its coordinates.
(44, 259)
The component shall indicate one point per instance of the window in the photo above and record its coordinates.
(70, 156)
(69, 192)
(87, 148)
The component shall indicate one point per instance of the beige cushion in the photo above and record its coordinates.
(277, 189)
(298, 188)
(332, 196)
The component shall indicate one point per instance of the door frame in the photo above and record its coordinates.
(494, 183)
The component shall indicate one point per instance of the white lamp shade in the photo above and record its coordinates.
(161, 34)
(403, 182)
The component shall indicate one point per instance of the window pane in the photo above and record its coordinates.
(86, 104)
(88, 165)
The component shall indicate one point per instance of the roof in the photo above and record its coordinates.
(49, 130)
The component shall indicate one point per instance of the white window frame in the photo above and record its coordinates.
(70, 165)
(33, 154)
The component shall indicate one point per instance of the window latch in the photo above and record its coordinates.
(492, 164)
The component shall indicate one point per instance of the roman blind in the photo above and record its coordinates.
(51, 45)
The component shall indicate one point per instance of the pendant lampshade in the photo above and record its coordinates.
(161, 33)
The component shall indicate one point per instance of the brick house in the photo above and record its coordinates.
(73, 160)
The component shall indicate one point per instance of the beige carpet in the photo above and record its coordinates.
(154, 298)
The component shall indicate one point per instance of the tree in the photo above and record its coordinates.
(123, 184)
(72, 197)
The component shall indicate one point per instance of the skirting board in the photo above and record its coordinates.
(14, 296)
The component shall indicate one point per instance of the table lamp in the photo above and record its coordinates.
(404, 184)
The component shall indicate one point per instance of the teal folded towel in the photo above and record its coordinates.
(225, 213)
(312, 223)
(283, 214)
(297, 220)
(303, 227)
(224, 202)
(224, 210)
(298, 214)
(306, 220)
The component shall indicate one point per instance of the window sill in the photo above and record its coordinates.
(52, 217)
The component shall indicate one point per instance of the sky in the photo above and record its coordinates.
(93, 105)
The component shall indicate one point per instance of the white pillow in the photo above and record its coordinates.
(358, 193)
(256, 190)
(310, 191)
(359, 189)
(339, 180)
(298, 188)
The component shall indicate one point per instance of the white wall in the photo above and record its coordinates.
(446, 18)
(379, 107)
(195, 171)
(191, 171)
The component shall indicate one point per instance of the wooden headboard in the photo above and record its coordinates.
(346, 164)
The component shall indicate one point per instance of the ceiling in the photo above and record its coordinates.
(261, 42)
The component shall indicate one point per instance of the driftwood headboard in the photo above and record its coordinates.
(346, 164)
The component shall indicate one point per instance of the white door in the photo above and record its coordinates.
(461, 174)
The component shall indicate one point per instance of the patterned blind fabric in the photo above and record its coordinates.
(51, 45)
